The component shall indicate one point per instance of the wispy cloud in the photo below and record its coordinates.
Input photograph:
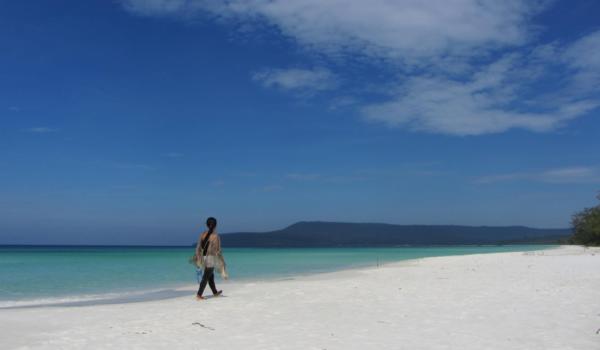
(461, 66)
(296, 79)
(583, 57)
(490, 100)
(14, 109)
(405, 29)
(41, 130)
(560, 175)
(420, 169)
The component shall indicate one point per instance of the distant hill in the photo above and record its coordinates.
(337, 234)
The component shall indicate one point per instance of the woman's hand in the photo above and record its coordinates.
(193, 259)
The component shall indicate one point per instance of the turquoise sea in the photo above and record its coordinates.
(46, 275)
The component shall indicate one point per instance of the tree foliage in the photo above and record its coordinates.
(586, 226)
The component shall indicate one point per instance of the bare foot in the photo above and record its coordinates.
(199, 297)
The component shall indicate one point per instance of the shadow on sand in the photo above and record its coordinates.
(135, 298)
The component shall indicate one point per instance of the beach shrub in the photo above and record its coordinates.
(586, 226)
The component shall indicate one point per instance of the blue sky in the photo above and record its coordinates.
(130, 122)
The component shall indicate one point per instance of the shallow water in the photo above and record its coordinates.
(61, 274)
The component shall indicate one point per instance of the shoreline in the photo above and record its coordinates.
(169, 291)
(532, 300)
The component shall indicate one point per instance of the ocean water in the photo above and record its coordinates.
(48, 275)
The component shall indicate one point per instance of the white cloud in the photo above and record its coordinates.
(491, 100)
(406, 29)
(296, 79)
(583, 56)
(448, 76)
(557, 176)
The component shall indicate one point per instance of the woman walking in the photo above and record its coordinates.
(208, 255)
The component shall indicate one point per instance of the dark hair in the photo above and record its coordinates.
(211, 223)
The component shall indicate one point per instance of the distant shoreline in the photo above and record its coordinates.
(323, 234)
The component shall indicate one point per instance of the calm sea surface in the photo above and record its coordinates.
(54, 274)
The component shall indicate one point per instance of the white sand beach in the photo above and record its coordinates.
(535, 300)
